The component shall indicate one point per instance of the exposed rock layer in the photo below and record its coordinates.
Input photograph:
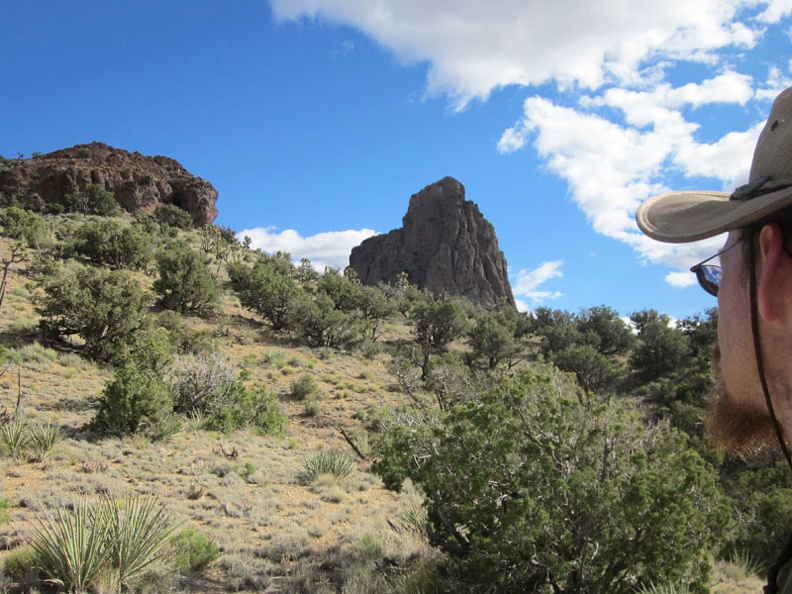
(139, 183)
(445, 246)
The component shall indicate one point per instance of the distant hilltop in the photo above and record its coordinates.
(445, 246)
(138, 182)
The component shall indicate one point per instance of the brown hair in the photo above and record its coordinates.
(783, 218)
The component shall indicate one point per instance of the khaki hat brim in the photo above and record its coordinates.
(681, 217)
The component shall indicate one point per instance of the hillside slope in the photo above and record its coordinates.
(272, 530)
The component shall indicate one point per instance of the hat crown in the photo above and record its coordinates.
(773, 153)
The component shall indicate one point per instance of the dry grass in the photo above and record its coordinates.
(734, 578)
(274, 532)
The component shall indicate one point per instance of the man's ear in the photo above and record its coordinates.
(775, 276)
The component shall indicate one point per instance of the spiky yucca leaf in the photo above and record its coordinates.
(107, 541)
(138, 528)
(43, 439)
(325, 462)
(14, 438)
(72, 547)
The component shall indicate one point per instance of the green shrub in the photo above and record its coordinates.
(370, 547)
(72, 547)
(94, 199)
(273, 358)
(35, 352)
(318, 321)
(24, 441)
(312, 408)
(303, 387)
(268, 289)
(146, 223)
(26, 226)
(105, 308)
(133, 402)
(370, 349)
(533, 469)
(267, 417)
(192, 551)
(254, 408)
(171, 215)
(111, 243)
(763, 512)
(20, 563)
(138, 529)
(185, 340)
(185, 283)
(165, 428)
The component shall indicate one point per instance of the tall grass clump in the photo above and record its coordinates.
(5, 515)
(105, 546)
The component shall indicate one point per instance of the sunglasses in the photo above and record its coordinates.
(709, 275)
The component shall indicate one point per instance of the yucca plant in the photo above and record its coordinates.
(14, 438)
(196, 419)
(72, 547)
(43, 439)
(325, 462)
(748, 562)
(662, 589)
(137, 532)
(107, 546)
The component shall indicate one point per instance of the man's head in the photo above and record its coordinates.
(753, 285)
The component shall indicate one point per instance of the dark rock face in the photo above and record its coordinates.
(139, 183)
(446, 246)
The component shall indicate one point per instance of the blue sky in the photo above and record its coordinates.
(316, 120)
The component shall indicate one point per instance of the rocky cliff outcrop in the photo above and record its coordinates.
(139, 183)
(445, 246)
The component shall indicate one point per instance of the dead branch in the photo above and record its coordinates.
(352, 444)
(232, 455)
(16, 257)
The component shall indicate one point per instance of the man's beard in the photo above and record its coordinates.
(742, 426)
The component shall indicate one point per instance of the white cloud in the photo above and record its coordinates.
(776, 9)
(680, 279)
(474, 47)
(611, 166)
(323, 249)
(529, 281)
(617, 130)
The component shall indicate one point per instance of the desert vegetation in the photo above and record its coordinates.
(182, 413)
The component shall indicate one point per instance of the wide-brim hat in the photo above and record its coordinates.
(680, 217)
